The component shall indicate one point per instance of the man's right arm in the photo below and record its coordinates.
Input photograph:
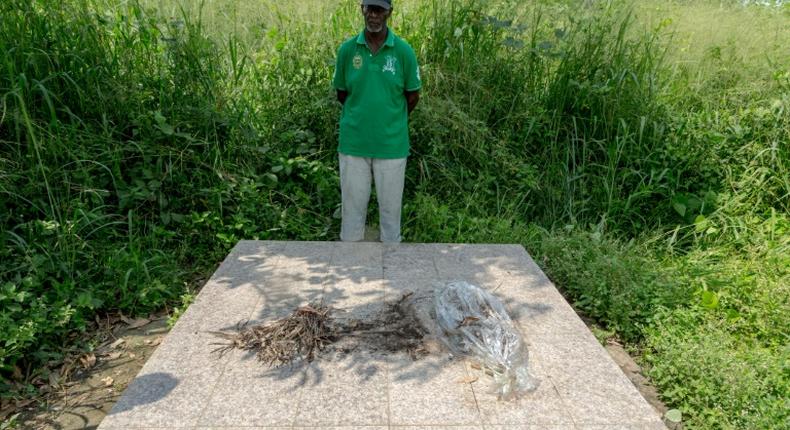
(339, 80)
(341, 96)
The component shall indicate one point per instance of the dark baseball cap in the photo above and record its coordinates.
(386, 4)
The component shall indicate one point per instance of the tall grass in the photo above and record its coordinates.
(641, 165)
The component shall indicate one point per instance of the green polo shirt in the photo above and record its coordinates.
(375, 118)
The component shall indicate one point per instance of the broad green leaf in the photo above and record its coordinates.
(166, 129)
(710, 300)
(160, 119)
(700, 223)
(674, 415)
(680, 208)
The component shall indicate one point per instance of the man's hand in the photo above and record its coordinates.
(341, 96)
(412, 97)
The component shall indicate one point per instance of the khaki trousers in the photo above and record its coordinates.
(356, 174)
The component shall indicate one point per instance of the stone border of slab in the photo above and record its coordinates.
(184, 385)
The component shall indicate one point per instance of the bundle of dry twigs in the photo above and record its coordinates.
(309, 329)
(301, 335)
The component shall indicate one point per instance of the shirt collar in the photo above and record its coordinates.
(390, 41)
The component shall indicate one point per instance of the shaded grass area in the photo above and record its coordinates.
(643, 163)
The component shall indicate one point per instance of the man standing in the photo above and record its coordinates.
(377, 80)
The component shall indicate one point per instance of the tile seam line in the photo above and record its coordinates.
(222, 372)
(317, 426)
(387, 390)
(387, 368)
(563, 401)
(324, 282)
(474, 396)
(417, 424)
(435, 250)
(321, 426)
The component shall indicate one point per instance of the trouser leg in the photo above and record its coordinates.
(389, 177)
(355, 176)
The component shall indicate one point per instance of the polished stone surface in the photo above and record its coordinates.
(185, 385)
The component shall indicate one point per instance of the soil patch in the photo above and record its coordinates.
(634, 373)
(93, 382)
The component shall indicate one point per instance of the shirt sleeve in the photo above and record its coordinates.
(339, 80)
(413, 81)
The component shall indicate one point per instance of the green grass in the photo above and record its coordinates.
(641, 160)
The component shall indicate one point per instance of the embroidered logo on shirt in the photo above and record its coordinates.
(357, 61)
(389, 65)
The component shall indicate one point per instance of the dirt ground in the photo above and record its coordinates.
(92, 390)
(634, 374)
(82, 401)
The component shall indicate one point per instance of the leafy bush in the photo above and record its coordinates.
(717, 379)
(620, 284)
(643, 163)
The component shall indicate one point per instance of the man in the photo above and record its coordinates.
(377, 80)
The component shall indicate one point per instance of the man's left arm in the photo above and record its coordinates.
(412, 97)
(413, 81)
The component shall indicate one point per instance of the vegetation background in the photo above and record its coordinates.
(638, 149)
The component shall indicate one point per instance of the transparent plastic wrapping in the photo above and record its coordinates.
(473, 323)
